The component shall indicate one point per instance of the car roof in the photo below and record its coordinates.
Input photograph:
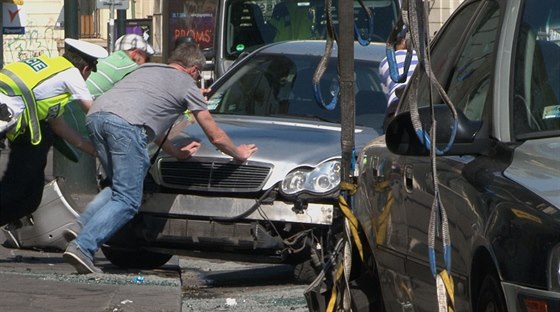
(374, 51)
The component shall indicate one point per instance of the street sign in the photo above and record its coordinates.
(14, 19)
(112, 4)
(18, 2)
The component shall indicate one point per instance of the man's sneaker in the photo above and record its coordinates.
(74, 256)
(71, 232)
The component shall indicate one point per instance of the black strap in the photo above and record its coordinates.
(153, 159)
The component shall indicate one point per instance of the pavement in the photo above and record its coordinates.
(34, 280)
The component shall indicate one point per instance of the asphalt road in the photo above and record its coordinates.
(216, 285)
(35, 280)
(40, 281)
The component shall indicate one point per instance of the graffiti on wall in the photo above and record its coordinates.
(37, 40)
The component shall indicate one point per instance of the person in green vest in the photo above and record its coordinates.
(292, 20)
(34, 93)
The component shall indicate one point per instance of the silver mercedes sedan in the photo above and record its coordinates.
(282, 204)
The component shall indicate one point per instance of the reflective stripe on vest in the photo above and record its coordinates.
(7, 88)
(31, 73)
(30, 108)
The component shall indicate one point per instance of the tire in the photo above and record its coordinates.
(365, 287)
(364, 298)
(135, 259)
(490, 297)
(305, 272)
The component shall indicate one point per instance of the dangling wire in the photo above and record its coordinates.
(331, 37)
(438, 215)
(419, 38)
(397, 32)
(358, 36)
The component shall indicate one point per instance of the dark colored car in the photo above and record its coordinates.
(229, 29)
(245, 25)
(281, 203)
(499, 62)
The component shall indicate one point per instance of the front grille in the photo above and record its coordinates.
(214, 176)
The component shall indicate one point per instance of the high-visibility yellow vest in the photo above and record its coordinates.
(20, 78)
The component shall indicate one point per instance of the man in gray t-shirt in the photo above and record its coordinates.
(122, 121)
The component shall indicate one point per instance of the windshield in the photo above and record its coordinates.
(251, 24)
(537, 71)
(281, 86)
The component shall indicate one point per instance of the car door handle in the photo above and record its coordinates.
(408, 178)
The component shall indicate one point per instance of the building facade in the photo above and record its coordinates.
(441, 10)
(44, 24)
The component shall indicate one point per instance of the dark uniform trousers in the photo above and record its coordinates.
(21, 187)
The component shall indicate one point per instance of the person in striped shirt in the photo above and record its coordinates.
(131, 50)
(391, 88)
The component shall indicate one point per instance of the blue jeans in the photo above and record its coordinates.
(121, 149)
(92, 207)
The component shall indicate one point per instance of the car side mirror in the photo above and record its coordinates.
(401, 137)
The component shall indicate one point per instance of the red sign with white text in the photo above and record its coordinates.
(192, 18)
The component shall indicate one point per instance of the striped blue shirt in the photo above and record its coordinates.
(388, 85)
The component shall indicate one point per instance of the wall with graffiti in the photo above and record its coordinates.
(37, 40)
(42, 35)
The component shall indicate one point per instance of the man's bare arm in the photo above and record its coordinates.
(63, 130)
(220, 139)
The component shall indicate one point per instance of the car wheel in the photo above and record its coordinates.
(135, 259)
(366, 297)
(305, 272)
(365, 286)
(490, 297)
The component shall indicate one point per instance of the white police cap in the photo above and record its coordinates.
(92, 50)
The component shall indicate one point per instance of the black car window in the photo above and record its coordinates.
(442, 57)
(536, 98)
(281, 86)
(470, 81)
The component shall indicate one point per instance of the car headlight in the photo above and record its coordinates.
(554, 269)
(321, 179)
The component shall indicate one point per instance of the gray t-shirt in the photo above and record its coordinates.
(153, 95)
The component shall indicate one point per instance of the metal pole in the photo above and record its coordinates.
(112, 28)
(71, 19)
(121, 23)
(2, 37)
(346, 72)
(133, 9)
(165, 31)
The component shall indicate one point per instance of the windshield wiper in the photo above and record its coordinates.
(304, 116)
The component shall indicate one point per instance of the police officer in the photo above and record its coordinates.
(35, 92)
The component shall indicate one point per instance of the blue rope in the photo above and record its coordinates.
(364, 42)
(393, 66)
(319, 98)
(424, 137)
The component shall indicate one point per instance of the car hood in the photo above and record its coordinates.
(284, 143)
(536, 165)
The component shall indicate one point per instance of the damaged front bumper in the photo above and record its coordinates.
(234, 209)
